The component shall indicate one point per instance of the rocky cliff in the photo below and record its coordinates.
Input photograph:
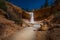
(10, 20)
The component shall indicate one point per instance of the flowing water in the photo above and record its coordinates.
(32, 17)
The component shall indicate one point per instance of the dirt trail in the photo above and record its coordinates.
(27, 33)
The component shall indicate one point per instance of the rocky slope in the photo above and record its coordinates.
(10, 21)
(7, 27)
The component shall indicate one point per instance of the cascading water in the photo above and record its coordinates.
(35, 24)
(32, 17)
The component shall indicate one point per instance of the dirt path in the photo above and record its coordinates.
(27, 33)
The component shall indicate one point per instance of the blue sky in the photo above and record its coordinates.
(29, 4)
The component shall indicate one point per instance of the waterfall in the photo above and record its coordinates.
(36, 25)
(32, 17)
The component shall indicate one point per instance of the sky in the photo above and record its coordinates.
(29, 4)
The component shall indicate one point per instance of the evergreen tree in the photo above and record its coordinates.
(42, 6)
(46, 3)
(3, 5)
(56, 2)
